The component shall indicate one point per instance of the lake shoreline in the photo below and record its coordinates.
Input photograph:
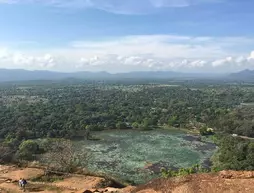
(123, 154)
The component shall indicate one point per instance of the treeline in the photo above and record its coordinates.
(69, 110)
(168, 173)
(54, 154)
(234, 153)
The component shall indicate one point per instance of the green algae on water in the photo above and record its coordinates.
(138, 156)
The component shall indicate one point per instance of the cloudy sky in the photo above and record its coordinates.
(127, 35)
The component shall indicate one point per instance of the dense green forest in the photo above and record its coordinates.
(68, 109)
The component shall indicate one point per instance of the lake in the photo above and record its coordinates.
(137, 156)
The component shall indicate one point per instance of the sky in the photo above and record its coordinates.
(127, 35)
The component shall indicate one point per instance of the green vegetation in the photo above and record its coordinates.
(65, 111)
(182, 171)
(27, 150)
(206, 131)
(234, 154)
(48, 178)
(74, 110)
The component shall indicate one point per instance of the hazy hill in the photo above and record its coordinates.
(23, 75)
(243, 75)
(26, 75)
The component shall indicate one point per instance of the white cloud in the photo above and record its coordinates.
(198, 63)
(221, 62)
(148, 52)
(166, 46)
(20, 60)
(116, 6)
(121, 63)
(230, 64)
(47, 61)
(251, 56)
(3, 54)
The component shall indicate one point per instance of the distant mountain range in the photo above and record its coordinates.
(26, 75)
(7, 75)
(243, 75)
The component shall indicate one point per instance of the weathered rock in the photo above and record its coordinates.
(236, 174)
(222, 182)
(87, 191)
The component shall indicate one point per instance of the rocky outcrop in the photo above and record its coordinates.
(237, 174)
(222, 182)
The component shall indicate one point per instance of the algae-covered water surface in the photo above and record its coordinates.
(138, 156)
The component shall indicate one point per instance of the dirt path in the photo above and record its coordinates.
(9, 176)
(222, 182)
(27, 173)
(79, 182)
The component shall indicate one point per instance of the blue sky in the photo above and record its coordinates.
(127, 35)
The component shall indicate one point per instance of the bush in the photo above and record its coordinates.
(61, 156)
(206, 131)
(6, 154)
(234, 154)
(182, 171)
(27, 150)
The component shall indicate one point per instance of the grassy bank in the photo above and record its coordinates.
(185, 130)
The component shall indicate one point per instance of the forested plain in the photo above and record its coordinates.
(70, 110)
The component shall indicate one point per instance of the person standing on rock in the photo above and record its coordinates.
(22, 184)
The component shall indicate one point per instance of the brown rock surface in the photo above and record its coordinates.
(222, 182)
(237, 174)
(79, 182)
(26, 173)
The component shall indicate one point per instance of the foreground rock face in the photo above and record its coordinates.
(9, 176)
(222, 182)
